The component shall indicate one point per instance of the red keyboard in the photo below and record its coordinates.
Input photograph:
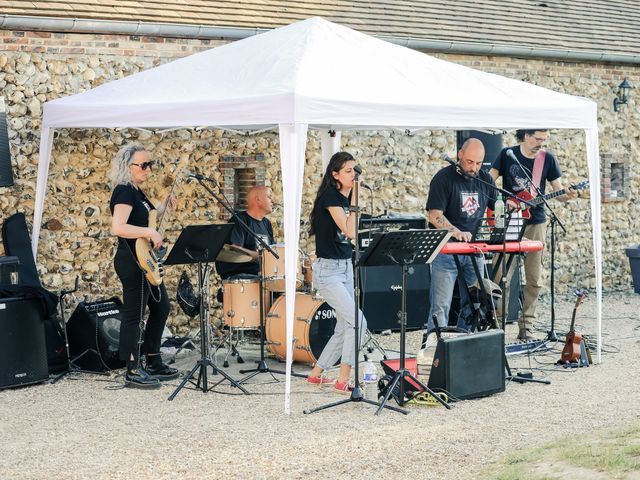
(465, 248)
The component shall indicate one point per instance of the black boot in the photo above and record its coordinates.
(160, 371)
(137, 377)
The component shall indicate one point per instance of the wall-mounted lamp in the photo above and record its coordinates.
(621, 99)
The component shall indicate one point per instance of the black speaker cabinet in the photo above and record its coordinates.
(469, 366)
(492, 144)
(381, 296)
(23, 351)
(94, 335)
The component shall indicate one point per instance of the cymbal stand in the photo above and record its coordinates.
(375, 345)
(262, 364)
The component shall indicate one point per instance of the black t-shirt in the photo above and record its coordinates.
(140, 204)
(515, 181)
(330, 241)
(463, 201)
(239, 236)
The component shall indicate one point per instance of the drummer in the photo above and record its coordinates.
(259, 205)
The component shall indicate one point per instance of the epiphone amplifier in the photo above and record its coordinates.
(469, 366)
(94, 335)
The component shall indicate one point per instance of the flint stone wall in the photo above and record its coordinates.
(76, 239)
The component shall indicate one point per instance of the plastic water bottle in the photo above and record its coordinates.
(498, 211)
(424, 358)
(370, 380)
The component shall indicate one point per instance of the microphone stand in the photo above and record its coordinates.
(356, 393)
(262, 366)
(554, 219)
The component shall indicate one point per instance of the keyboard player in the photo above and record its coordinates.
(457, 202)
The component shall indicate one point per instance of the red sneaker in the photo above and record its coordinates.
(343, 387)
(321, 380)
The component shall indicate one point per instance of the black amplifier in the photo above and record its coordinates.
(369, 227)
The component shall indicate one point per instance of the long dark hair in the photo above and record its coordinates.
(335, 164)
(521, 133)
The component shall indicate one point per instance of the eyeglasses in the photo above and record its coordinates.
(144, 165)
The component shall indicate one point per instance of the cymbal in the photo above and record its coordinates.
(234, 254)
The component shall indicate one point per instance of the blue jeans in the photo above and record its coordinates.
(334, 281)
(444, 274)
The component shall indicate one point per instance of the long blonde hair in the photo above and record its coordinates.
(120, 173)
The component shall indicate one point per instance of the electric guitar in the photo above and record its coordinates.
(535, 201)
(150, 260)
(571, 351)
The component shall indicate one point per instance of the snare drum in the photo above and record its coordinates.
(241, 303)
(314, 323)
(273, 270)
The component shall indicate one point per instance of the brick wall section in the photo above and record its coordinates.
(98, 44)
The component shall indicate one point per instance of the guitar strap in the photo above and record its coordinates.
(536, 174)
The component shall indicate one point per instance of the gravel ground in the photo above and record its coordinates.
(87, 427)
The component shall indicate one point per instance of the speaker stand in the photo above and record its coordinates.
(72, 367)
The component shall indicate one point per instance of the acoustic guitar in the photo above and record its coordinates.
(535, 201)
(571, 351)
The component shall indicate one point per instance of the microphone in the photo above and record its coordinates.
(449, 160)
(189, 174)
(357, 169)
(512, 155)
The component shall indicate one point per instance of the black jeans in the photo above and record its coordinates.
(135, 295)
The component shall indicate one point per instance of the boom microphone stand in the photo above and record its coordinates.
(356, 393)
(262, 245)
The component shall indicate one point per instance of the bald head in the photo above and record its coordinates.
(259, 202)
(471, 155)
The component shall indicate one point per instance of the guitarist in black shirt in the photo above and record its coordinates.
(130, 209)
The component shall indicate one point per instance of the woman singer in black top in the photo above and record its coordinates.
(333, 225)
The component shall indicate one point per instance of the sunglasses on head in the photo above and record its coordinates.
(144, 165)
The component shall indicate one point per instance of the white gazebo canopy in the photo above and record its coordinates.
(320, 75)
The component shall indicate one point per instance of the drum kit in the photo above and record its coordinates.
(314, 319)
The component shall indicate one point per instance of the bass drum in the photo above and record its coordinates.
(313, 325)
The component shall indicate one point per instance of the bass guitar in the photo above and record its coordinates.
(535, 201)
(150, 260)
(571, 351)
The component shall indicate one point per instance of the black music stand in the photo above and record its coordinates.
(404, 248)
(201, 244)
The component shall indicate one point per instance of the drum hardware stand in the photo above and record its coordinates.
(201, 244)
(375, 345)
(262, 364)
(72, 367)
(356, 393)
(404, 248)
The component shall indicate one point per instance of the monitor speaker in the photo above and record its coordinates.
(381, 296)
(23, 351)
(469, 366)
(94, 335)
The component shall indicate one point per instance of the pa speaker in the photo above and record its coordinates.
(492, 144)
(94, 335)
(23, 352)
(469, 366)
(382, 295)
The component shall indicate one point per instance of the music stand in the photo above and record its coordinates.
(201, 244)
(404, 248)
